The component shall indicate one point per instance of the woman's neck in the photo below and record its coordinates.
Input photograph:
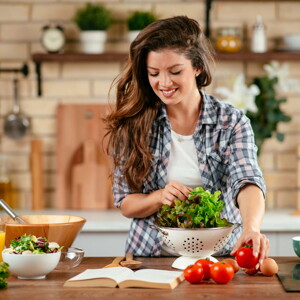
(184, 118)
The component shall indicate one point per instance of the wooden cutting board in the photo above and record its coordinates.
(87, 186)
(78, 126)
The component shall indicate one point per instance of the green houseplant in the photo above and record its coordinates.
(93, 20)
(137, 21)
(260, 101)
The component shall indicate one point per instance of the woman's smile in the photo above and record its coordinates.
(172, 77)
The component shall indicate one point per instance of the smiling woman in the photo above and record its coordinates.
(167, 136)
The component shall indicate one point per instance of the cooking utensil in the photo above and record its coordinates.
(16, 124)
(115, 262)
(130, 263)
(11, 213)
(196, 243)
(37, 178)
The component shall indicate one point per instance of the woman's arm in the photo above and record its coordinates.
(143, 205)
(252, 208)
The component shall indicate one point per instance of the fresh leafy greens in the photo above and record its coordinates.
(4, 273)
(30, 244)
(201, 210)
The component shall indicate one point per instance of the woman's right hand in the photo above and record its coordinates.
(174, 190)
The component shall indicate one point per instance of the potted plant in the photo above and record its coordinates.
(137, 21)
(93, 20)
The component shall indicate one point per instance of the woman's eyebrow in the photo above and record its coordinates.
(176, 65)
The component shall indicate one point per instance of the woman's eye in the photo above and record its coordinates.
(176, 73)
(153, 74)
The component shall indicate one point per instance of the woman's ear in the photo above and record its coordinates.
(198, 72)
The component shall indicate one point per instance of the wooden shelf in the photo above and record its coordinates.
(258, 57)
(78, 57)
(245, 56)
(39, 58)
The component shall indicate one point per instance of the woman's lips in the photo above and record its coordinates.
(168, 93)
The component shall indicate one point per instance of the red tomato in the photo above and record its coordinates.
(221, 273)
(205, 264)
(245, 258)
(193, 274)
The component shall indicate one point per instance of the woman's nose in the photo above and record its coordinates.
(165, 80)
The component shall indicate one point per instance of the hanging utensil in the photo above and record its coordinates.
(16, 124)
(11, 213)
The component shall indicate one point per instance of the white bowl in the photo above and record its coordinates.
(291, 40)
(31, 266)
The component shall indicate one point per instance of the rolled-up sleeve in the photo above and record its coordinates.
(243, 164)
(120, 187)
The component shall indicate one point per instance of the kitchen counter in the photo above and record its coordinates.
(279, 220)
(110, 228)
(242, 285)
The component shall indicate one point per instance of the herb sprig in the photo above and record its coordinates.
(4, 273)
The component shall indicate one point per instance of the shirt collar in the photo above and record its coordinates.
(208, 113)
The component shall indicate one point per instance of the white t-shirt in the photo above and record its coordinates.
(183, 163)
(182, 167)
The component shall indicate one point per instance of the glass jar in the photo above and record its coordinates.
(228, 39)
(6, 186)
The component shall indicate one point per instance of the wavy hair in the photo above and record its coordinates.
(129, 124)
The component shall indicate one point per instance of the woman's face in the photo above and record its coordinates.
(172, 77)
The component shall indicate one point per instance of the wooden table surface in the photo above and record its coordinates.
(242, 286)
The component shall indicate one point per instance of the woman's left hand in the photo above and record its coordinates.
(260, 243)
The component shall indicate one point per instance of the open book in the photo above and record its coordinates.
(124, 277)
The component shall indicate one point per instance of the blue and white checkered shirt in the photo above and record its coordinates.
(226, 153)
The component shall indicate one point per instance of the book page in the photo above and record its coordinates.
(152, 275)
(117, 273)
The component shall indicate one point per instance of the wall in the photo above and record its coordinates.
(20, 30)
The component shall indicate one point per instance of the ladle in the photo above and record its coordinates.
(130, 263)
(16, 124)
(11, 213)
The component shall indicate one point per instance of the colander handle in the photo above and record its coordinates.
(236, 226)
(158, 229)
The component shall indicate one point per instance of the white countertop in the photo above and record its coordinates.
(279, 220)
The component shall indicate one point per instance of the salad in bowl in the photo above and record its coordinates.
(31, 257)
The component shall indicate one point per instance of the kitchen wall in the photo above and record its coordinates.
(79, 82)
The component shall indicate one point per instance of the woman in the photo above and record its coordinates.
(167, 136)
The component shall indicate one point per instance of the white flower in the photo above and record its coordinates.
(242, 96)
(285, 83)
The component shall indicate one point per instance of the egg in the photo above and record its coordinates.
(269, 267)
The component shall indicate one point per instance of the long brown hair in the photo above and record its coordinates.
(129, 125)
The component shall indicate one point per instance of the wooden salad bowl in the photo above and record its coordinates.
(61, 229)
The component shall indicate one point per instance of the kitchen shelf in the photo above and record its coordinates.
(39, 58)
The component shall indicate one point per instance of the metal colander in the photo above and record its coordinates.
(198, 242)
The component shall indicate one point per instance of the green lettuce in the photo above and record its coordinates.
(201, 210)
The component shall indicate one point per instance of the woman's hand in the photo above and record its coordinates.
(174, 190)
(260, 243)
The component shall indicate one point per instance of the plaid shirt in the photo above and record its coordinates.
(227, 161)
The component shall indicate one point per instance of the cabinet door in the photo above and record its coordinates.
(101, 243)
(281, 243)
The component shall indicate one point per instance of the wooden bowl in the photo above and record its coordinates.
(56, 228)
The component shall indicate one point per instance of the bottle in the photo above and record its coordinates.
(6, 186)
(259, 41)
